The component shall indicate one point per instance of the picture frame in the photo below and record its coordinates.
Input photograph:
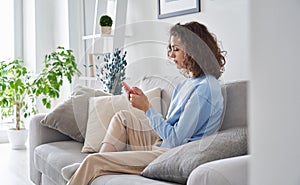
(171, 8)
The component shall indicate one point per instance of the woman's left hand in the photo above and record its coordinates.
(139, 100)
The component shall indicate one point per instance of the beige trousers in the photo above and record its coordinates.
(137, 146)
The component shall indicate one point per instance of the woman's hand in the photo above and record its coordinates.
(139, 100)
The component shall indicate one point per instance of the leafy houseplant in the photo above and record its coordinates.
(15, 84)
(19, 88)
(112, 72)
(105, 24)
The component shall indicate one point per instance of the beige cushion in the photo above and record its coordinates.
(101, 111)
(70, 117)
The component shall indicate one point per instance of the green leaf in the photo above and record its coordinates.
(48, 105)
(44, 100)
(3, 87)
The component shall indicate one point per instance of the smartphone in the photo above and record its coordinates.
(127, 88)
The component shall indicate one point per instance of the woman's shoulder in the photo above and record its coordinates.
(204, 81)
(207, 85)
(201, 85)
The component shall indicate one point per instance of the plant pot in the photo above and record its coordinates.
(17, 138)
(105, 29)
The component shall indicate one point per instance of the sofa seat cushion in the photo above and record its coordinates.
(50, 158)
(126, 179)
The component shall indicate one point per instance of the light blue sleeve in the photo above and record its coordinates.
(194, 115)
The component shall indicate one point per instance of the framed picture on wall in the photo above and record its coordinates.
(171, 8)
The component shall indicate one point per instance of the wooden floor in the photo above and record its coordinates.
(14, 166)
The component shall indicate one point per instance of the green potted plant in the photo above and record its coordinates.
(19, 88)
(105, 24)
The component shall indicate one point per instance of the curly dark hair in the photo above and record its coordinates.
(203, 55)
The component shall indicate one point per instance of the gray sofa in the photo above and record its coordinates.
(51, 150)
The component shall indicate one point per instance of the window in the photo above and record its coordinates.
(11, 43)
(7, 30)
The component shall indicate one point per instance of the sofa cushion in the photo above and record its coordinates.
(70, 117)
(230, 171)
(50, 158)
(127, 179)
(177, 164)
(47, 180)
(235, 104)
(101, 111)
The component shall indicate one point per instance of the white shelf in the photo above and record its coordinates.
(88, 78)
(87, 37)
(109, 40)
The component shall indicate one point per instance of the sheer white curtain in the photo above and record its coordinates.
(7, 30)
(8, 37)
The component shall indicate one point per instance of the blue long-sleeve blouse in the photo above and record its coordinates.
(195, 111)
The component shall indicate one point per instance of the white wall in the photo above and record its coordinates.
(45, 26)
(229, 20)
(275, 92)
(60, 18)
(29, 44)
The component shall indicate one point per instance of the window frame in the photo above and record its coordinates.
(18, 28)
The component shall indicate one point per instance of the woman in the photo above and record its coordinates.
(195, 110)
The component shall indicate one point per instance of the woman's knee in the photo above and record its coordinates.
(124, 117)
(91, 158)
(108, 147)
(131, 121)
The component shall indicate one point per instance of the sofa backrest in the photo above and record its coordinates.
(235, 104)
(234, 93)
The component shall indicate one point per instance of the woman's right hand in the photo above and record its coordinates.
(127, 88)
(139, 100)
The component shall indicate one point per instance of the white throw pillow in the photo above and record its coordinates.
(101, 111)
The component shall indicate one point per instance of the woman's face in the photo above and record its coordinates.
(176, 52)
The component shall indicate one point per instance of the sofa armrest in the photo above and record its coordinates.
(38, 135)
(230, 171)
